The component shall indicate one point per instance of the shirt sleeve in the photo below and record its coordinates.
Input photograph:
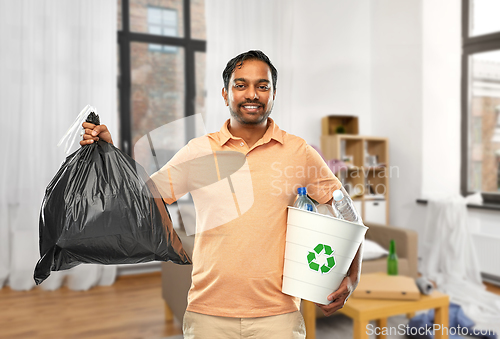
(172, 179)
(321, 182)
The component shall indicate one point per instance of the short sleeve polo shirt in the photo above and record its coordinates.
(241, 196)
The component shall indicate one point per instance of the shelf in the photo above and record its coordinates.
(353, 182)
(330, 123)
(355, 168)
(370, 182)
(374, 168)
(374, 197)
(364, 168)
(372, 138)
(376, 147)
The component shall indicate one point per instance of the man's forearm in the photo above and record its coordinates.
(355, 268)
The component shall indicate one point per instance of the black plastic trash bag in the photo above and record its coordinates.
(102, 208)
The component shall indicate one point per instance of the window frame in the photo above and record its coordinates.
(470, 46)
(125, 39)
(163, 49)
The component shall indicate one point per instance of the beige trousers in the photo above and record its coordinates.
(283, 326)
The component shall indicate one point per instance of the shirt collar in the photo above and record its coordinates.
(272, 132)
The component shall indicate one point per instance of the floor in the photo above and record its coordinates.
(131, 308)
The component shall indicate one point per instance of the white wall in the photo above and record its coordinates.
(321, 49)
(396, 92)
(441, 97)
(331, 58)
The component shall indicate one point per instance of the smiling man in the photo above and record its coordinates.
(249, 92)
(238, 266)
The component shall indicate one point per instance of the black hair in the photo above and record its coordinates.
(238, 62)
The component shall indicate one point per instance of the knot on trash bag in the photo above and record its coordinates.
(93, 118)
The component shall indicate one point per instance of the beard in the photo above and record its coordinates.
(240, 117)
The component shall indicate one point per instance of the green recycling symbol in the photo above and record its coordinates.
(319, 250)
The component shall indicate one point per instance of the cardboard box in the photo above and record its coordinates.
(383, 286)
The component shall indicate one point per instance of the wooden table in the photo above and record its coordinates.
(362, 311)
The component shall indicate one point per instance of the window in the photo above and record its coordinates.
(162, 21)
(481, 99)
(160, 65)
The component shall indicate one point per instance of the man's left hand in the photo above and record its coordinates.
(339, 297)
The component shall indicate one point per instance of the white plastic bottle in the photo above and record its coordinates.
(303, 202)
(345, 207)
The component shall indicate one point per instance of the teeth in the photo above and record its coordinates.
(251, 107)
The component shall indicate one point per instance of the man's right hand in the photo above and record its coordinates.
(94, 133)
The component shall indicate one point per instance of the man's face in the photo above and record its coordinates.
(250, 94)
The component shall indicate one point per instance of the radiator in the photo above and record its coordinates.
(488, 254)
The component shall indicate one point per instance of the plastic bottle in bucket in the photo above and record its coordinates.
(344, 206)
(319, 251)
(303, 202)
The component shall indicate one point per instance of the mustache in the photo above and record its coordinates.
(255, 102)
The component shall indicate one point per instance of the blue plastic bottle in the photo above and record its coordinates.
(303, 202)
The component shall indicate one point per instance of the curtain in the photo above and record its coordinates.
(57, 56)
(237, 26)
